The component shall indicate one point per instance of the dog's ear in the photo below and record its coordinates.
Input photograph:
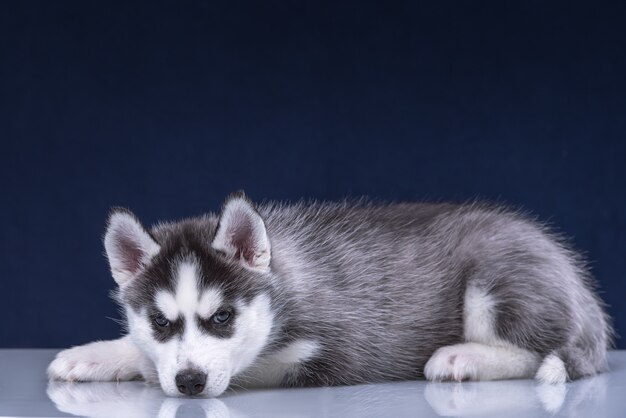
(128, 245)
(241, 234)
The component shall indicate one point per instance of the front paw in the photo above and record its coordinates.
(92, 362)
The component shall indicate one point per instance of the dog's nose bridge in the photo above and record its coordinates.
(190, 348)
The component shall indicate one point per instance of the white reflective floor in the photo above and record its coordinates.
(24, 391)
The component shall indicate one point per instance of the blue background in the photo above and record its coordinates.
(166, 107)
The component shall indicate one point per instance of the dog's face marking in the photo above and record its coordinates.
(209, 302)
(166, 303)
(192, 340)
(190, 304)
(188, 299)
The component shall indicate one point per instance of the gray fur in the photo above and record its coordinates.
(381, 287)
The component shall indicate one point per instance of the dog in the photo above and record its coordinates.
(326, 294)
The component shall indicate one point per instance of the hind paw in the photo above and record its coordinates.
(454, 362)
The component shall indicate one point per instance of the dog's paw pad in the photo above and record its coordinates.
(452, 363)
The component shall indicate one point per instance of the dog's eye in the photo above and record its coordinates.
(221, 317)
(161, 321)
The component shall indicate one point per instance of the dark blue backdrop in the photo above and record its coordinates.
(166, 107)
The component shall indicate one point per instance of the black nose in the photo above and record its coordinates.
(190, 382)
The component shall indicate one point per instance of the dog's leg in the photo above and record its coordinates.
(484, 355)
(100, 361)
(473, 361)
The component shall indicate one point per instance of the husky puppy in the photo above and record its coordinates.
(343, 293)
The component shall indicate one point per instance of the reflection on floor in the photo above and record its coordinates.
(516, 398)
(597, 397)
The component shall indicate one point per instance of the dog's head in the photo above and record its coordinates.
(197, 294)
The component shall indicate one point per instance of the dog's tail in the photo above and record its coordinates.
(584, 355)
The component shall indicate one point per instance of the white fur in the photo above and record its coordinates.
(100, 361)
(269, 371)
(187, 293)
(186, 301)
(209, 303)
(166, 303)
(478, 317)
(474, 361)
(552, 370)
(253, 328)
(296, 352)
(484, 356)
